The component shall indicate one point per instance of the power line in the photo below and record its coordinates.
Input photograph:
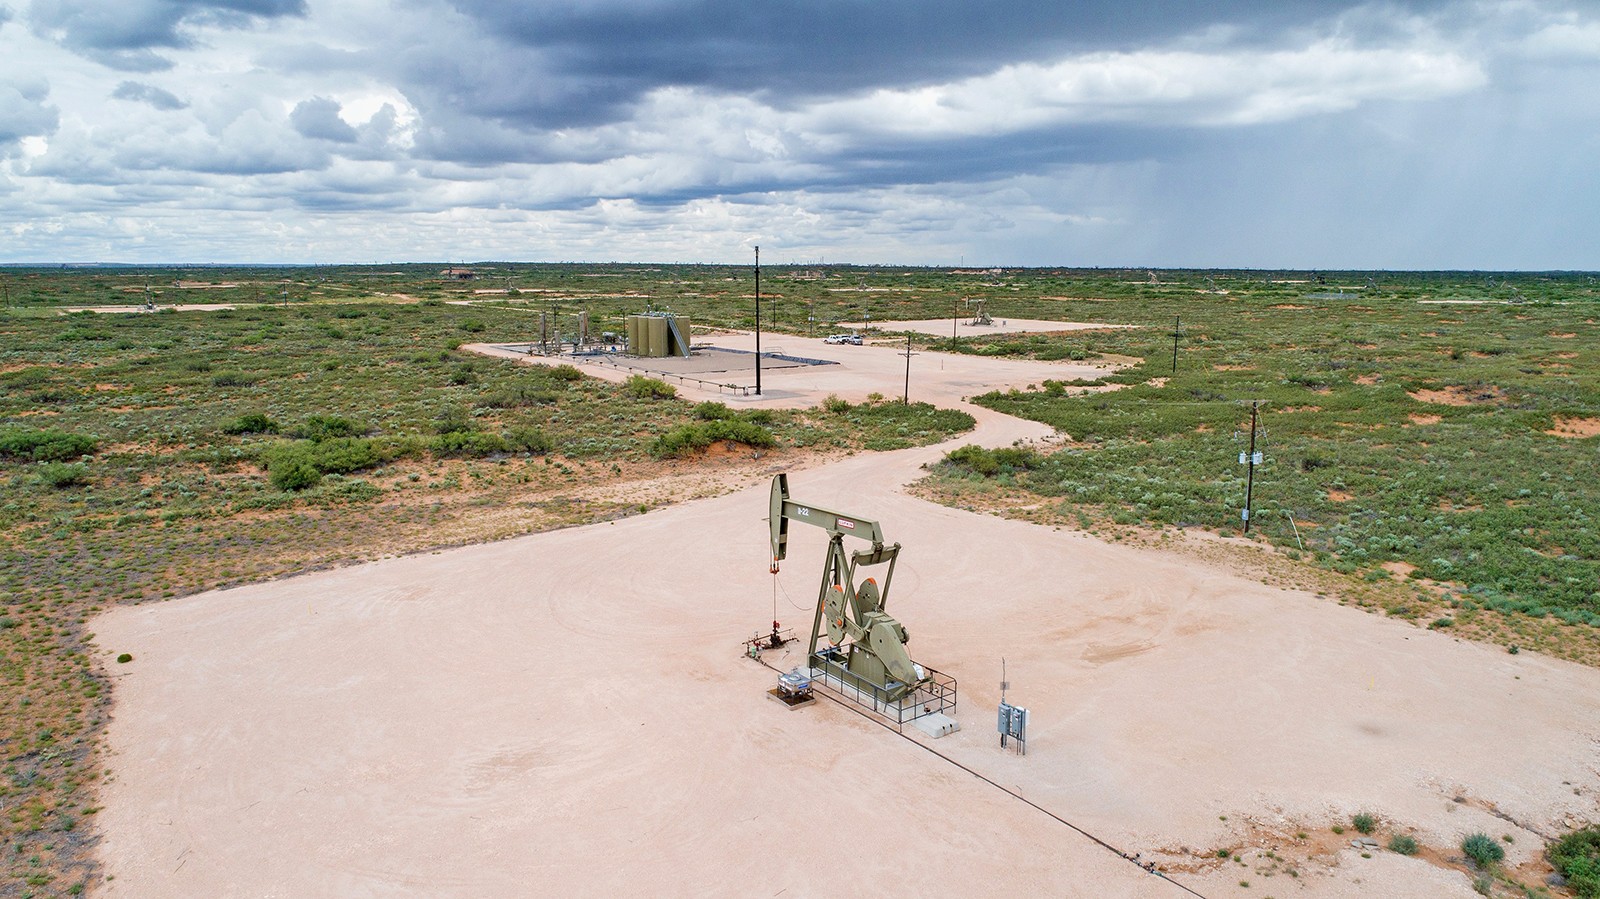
(1133, 859)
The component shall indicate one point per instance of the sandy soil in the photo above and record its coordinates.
(179, 307)
(568, 714)
(942, 378)
(940, 327)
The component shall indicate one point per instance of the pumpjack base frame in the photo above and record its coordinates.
(937, 695)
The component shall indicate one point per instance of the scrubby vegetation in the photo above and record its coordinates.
(1446, 446)
(1483, 849)
(150, 456)
(1402, 844)
(1577, 857)
(1440, 445)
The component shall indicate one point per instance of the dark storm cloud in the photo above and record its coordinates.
(596, 58)
(319, 118)
(148, 93)
(124, 34)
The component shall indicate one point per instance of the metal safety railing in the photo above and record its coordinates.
(937, 695)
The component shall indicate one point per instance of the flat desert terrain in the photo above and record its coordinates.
(569, 713)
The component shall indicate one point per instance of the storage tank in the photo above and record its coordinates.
(633, 335)
(658, 339)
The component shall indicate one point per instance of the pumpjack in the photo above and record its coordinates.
(867, 646)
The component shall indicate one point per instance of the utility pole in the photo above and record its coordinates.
(1177, 332)
(1251, 462)
(905, 398)
(758, 321)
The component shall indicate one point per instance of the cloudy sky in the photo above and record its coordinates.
(1292, 133)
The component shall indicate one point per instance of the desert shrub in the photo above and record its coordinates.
(989, 462)
(341, 455)
(62, 474)
(52, 396)
(124, 658)
(300, 464)
(1482, 848)
(835, 405)
(323, 427)
(27, 377)
(1577, 857)
(758, 416)
(641, 387)
(473, 326)
(45, 446)
(975, 458)
(518, 395)
(530, 439)
(566, 373)
(465, 444)
(452, 421)
(712, 411)
(1402, 844)
(292, 471)
(251, 423)
(233, 379)
(685, 439)
(1364, 822)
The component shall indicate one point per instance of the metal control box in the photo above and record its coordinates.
(1013, 722)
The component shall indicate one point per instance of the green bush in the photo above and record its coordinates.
(530, 439)
(712, 411)
(251, 423)
(233, 379)
(1364, 822)
(27, 377)
(62, 474)
(293, 472)
(685, 439)
(1577, 857)
(1402, 844)
(300, 464)
(342, 455)
(989, 462)
(466, 444)
(641, 387)
(835, 405)
(1483, 849)
(322, 427)
(566, 373)
(45, 446)
(518, 395)
(452, 421)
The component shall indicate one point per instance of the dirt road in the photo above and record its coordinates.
(568, 714)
